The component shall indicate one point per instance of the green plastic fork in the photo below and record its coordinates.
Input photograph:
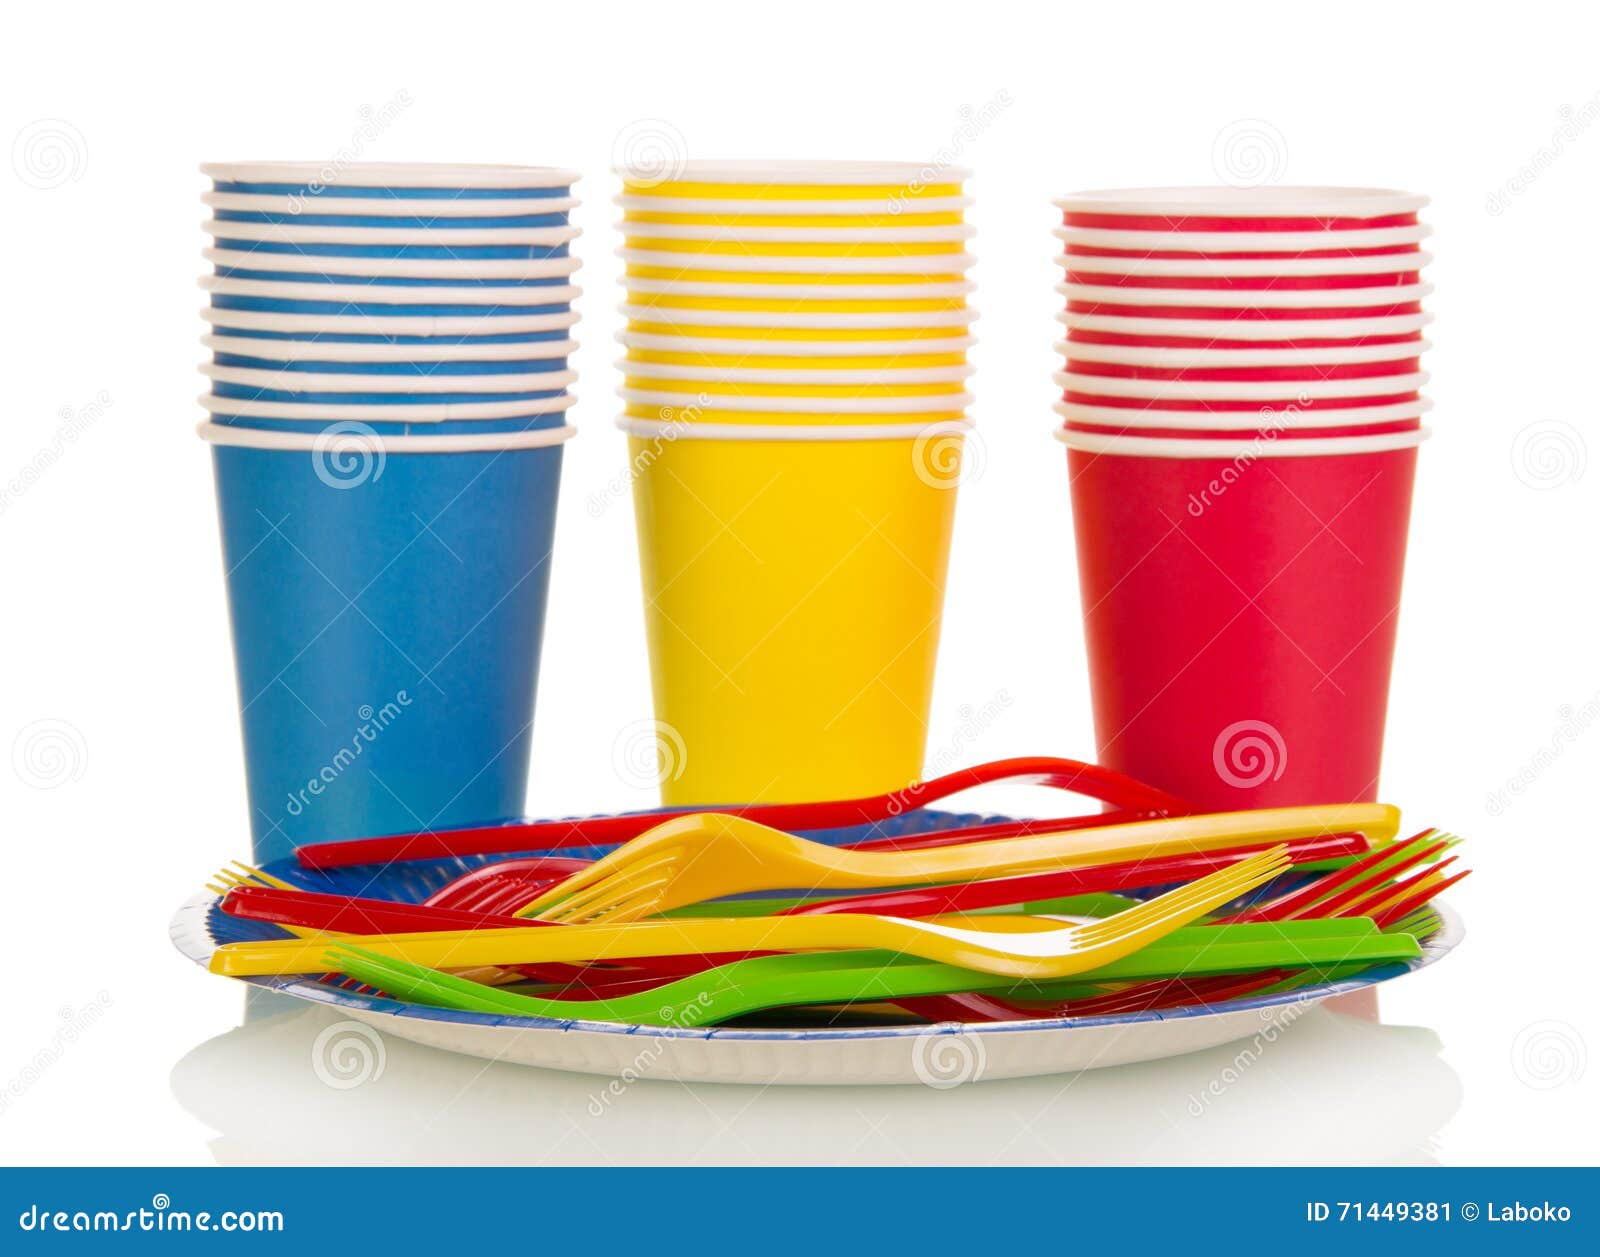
(764, 982)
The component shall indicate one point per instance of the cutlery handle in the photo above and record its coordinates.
(1180, 835)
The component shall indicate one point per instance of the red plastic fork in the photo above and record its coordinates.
(1102, 784)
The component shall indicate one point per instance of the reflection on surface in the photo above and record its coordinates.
(299, 1084)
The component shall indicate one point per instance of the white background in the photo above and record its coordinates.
(115, 634)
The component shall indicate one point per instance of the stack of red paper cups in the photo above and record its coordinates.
(1241, 407)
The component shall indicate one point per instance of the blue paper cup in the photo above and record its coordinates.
(382, 428)
(387, 599)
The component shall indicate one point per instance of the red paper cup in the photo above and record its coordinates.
(1356, 380)
(1215, 246)
(1239, 608)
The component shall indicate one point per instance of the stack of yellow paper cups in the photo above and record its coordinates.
(794, 389)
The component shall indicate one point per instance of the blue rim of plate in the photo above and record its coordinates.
(194, 933)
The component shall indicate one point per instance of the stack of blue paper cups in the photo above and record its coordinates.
(388, 400)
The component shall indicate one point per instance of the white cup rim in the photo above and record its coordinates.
(1207, 449)
(1288, 243)
(1248, 329)
(936, 403)
(300, 382)
(910, 291)
(1226, 359)
(677, 431)
(1238, 390)
(732, 207)
(677, 316)
(769, 172)
(398, 325)
(1245, 268)
(652, 341)
(454, 443)
(389, 294)
(326, 351)
(907, 264)
(1241, 420)
(1221, 201)
(451, 412)
(952, 234)
(389, 207)
(397, 268)
(792, 375)
(474, 175)
(399, 236)
(1249, 298)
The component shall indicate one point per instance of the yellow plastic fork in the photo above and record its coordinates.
(238, 873)
(691, 859)
(1050, 951)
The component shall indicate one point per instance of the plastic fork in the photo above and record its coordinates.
(707, 856)
(1101, 784)
(1051, 950)
(752, 985)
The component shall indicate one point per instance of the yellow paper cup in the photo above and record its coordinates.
(793, 590)
(673, 377)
